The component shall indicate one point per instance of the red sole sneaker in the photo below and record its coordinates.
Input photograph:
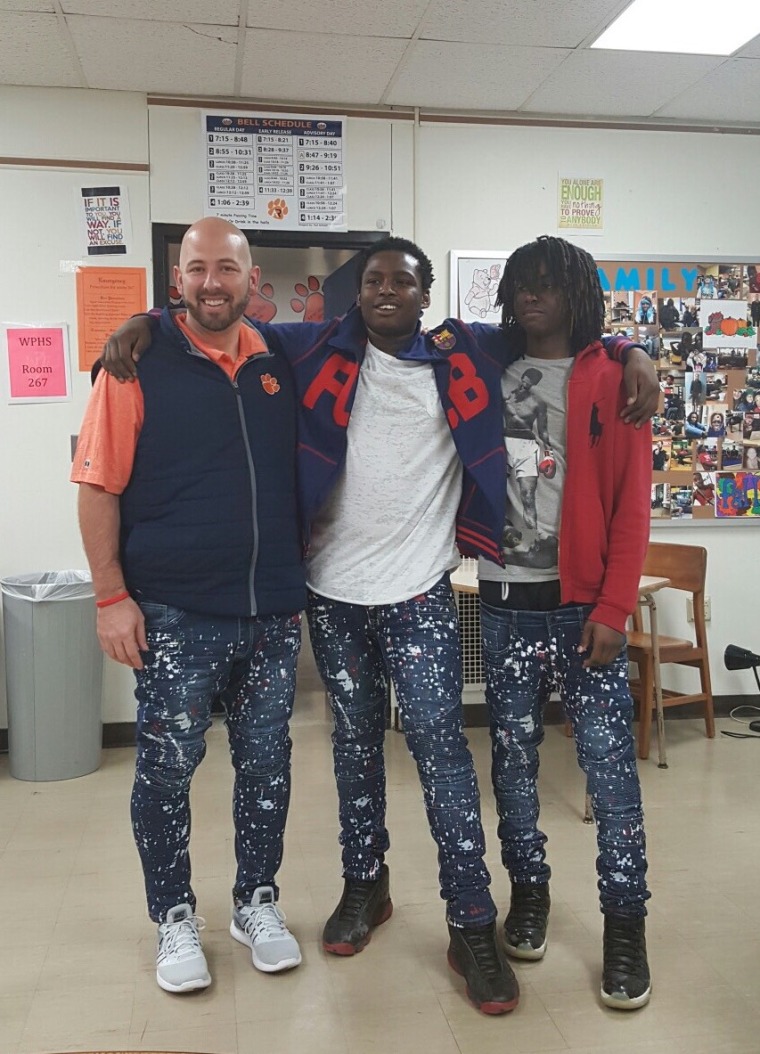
(484, 1007)
(345, 949)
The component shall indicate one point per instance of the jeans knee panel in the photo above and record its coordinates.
(167, 776)
(261, 755)
(363, 727)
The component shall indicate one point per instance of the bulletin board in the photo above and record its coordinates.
(699, 321)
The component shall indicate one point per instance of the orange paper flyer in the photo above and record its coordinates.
(106, 296)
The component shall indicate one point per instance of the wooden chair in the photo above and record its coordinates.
(686, 567)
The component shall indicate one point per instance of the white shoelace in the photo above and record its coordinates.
(266, 923)
(180, 940)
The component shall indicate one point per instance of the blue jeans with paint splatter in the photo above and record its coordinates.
(250, 664)
(528, 655)
(416, 644)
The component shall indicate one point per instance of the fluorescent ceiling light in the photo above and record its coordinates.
(692, 27)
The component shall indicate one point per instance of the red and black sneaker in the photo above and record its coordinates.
(475, 954)
(363, 906)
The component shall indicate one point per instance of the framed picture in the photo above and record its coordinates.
(473, 283)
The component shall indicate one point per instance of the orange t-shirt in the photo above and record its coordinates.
(108, 437)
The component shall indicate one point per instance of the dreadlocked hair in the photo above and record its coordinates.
(392, 244)
(570, 268)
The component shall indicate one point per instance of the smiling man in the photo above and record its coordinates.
(187, 508)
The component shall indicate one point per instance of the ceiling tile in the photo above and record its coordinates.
(155, 56)
(471, 76)
(204, 12)
(550, 23)
(617, 84)
(34, 51)
(317, 68)
(751, 50)
(393, 18)
(483, 55)
(28, 5)
(729, 93)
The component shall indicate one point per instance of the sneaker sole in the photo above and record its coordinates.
(188, 986)
(346, 949)
(524, 952)
(615, 1003)
(486, 1007)
(283, 964)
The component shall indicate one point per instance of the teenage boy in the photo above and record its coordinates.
(401, 461)
(561, 624)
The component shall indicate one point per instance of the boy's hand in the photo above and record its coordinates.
(642, 389)
(125, 346)
(600, 644)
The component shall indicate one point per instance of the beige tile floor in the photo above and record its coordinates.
(77, 968)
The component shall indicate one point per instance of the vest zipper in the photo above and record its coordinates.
(249, 457)
(252, 474)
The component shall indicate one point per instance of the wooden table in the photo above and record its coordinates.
(464, 580)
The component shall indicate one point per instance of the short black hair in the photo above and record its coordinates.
(571, 268)
(392, 244)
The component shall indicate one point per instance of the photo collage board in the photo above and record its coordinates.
(699, 323)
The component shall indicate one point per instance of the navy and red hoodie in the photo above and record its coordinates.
(326, 359)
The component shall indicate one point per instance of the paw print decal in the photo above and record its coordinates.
(269, 383)
(312, 302)
(260, 304)
(277, 208)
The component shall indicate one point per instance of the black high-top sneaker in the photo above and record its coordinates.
(626, 982)
(475, 955)
(363, 906)
(525, 925)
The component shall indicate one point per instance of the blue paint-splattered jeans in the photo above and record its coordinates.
(529, 654)
(416, 644)
(250, 664)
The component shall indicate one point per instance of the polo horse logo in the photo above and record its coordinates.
(595, 427)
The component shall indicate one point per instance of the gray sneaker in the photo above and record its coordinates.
(261, 925)
(180, 963)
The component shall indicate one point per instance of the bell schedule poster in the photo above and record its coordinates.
(277, 171)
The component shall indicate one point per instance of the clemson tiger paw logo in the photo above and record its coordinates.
(260, 304)
(269, 383)
(310, 301)
(277, 208)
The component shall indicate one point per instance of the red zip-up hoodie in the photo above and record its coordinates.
(605, 518)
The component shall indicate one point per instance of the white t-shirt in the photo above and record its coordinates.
(387, 531)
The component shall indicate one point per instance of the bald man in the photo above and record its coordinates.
(187, 507)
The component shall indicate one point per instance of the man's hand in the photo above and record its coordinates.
(642, 389)
(125, 346)
(121, 632)
(600, 644)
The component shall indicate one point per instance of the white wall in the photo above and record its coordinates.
(666, 194)
(39, 221)
(448, 186)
